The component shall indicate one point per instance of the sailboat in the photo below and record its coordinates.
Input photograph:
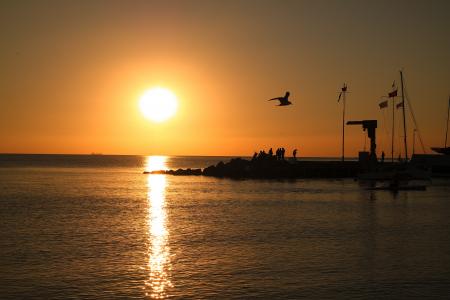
(439, 163)
(444, 150)
(402, 171)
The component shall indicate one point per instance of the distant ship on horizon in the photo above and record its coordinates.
(96, 153)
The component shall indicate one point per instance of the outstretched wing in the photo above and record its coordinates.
(276, 98)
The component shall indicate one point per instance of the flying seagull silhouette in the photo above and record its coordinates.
(283, 100)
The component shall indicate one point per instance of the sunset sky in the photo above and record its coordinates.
(72, 73)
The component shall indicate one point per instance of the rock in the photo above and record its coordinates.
(271, 168)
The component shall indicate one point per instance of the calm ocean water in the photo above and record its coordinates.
(95, 227)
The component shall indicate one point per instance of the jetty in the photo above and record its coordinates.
(270, 168)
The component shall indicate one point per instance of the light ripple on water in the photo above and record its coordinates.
(108, 233)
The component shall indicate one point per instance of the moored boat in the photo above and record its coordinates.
(399, 188)
(404, 171)
(444, 150)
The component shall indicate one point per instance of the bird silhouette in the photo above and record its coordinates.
(283, 100)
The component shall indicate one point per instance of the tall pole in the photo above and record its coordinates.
(446, 131)
(404, 119)
(344, 91)
(393, 128)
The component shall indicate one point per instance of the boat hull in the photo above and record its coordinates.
(399, 188)
(402, 172)
(445, 151)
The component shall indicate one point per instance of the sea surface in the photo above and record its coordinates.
(96, 227)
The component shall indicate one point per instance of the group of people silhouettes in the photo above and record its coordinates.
(279, 154)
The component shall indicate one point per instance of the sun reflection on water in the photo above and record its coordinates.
(155, 163)
(159, 265)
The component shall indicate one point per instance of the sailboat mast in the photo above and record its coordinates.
(448, 113)
(393, 128)
(344, 91)
(404, 119)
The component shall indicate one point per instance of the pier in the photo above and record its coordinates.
(239, 168)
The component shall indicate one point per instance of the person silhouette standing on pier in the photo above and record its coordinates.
(294, 154)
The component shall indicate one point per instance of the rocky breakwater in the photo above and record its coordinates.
(272, 169)
(179, 172)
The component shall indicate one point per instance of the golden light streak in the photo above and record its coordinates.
(156, 163)
(159, 264)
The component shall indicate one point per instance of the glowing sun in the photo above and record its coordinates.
(158, 104)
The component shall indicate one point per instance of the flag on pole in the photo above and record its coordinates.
(393, 94)
(399, 105)
(343, 90)
(383, 104)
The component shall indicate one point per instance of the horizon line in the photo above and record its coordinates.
(173, 155)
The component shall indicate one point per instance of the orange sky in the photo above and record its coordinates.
(72, 73)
